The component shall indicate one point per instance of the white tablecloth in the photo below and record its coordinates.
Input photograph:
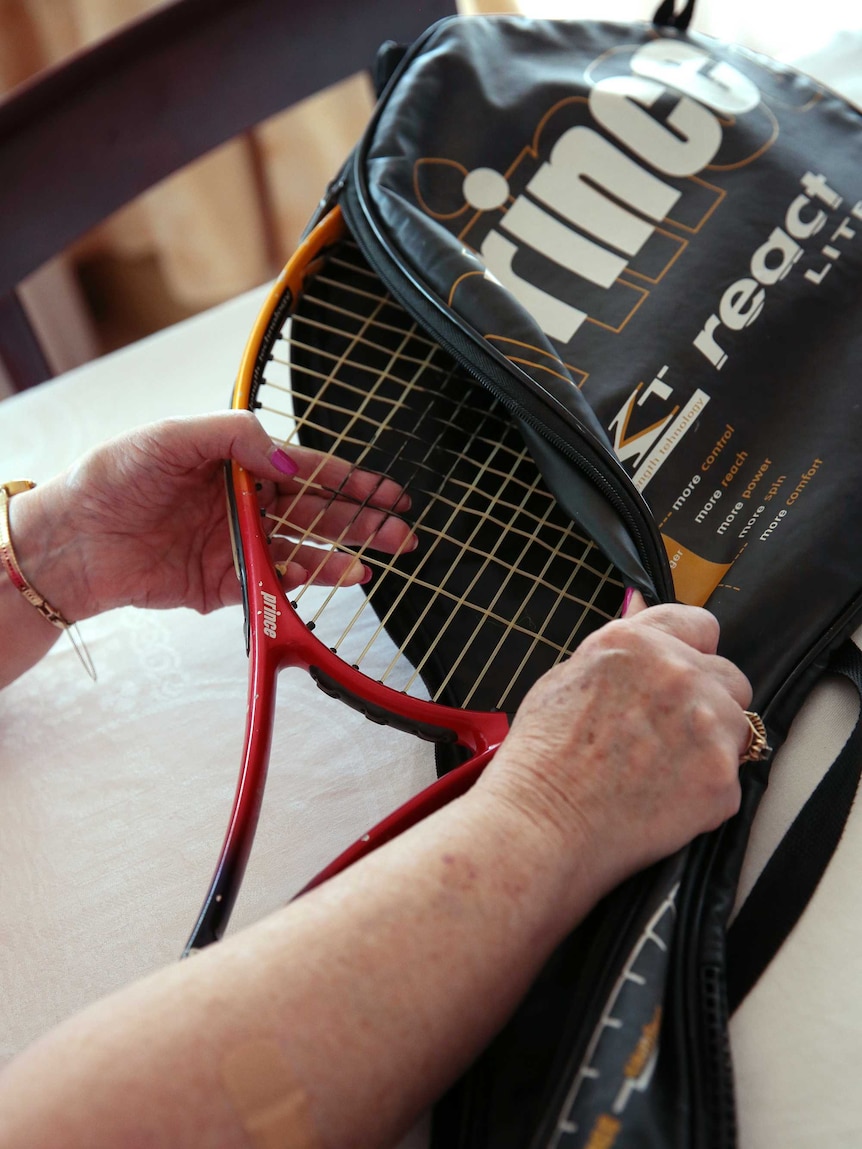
(115, 795)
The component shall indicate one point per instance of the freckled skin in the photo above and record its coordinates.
(655, 744)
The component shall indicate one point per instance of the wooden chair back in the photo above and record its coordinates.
(88, 136)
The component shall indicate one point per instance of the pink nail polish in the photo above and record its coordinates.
(283, 462)
(627, 598)
(367, 575)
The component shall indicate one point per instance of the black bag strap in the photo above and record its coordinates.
(793, 873)
(666, 15)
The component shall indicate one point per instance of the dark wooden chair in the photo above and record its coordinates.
(85, 138)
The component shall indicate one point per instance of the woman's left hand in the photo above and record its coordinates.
(142, 520)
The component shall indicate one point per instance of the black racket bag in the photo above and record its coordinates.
(648, 246)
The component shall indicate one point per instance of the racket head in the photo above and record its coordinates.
(287, 640)
(445, 639)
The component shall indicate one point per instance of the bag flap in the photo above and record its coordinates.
(665, 234)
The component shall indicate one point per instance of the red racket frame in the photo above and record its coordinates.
(291, 644)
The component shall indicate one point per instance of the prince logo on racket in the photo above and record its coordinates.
(270, 614)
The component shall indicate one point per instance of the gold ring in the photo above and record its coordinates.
(758, 744)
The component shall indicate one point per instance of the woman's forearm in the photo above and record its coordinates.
(357, 1004)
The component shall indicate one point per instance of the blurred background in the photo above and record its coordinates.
(227, 223)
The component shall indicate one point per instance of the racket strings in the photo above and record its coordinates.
(322, 404)
(379, 431)
(485, 516)
(349, 352)
(413, 388)
(464, 599)
(440, 537)
(372, 344)
(500, 578)
(530, 521)
(498, 596)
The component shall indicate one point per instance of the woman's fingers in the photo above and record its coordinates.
(183, 444)
(692, 625)
(696, 628)
(343, 522)
(330, 476)
(728, 717)
(333, 501)
(303, 563)
(328, 497)
(734, 681)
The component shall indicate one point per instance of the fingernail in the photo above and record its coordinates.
(299, 575)
(412, 544)
(367, 575)
(283, 462)
(627, 598)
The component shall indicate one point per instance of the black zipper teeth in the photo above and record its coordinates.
(373, 247)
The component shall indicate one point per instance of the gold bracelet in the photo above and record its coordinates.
(10, 562)
(19, 580)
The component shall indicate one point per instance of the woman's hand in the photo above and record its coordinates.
(632, 746)
(142, 520)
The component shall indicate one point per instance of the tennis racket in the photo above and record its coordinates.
(445, 639)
